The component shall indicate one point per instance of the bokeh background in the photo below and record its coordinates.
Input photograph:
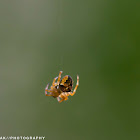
(96, 39)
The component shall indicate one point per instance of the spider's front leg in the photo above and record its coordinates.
(46, 89)
(54, 84)
(59, 77)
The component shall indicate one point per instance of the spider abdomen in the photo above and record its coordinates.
(66, 84)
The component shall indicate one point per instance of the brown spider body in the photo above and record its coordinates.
(66, 84)
(62, 88)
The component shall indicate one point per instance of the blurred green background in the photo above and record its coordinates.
(96, 39)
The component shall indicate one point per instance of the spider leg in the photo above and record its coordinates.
(54, 84)
(46, 89)
(77, 84)
(67, 93)
(60, 99)
(63, 97)
(59, 77)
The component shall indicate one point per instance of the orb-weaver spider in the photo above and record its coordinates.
(62, 88)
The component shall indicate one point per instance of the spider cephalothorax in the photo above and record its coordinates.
(62, 88)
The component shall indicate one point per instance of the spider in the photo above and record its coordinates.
(62, 88)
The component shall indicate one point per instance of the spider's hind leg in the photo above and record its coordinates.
(77, 84)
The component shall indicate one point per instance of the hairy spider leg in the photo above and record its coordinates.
(59, 77)
(77, 84)
(64, 94)
(63, 97)
(46, 89)
(54, 84)
(67, 93)
(60, 99)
